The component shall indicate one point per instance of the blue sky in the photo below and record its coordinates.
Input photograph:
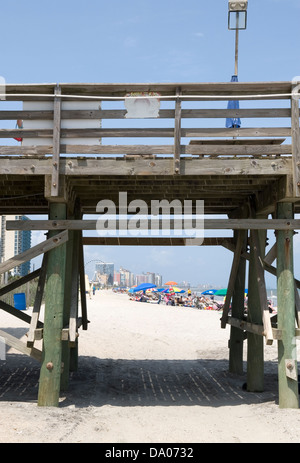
(150, 41)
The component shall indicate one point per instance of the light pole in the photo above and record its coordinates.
(237, 20)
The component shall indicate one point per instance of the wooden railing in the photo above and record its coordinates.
(187, 124)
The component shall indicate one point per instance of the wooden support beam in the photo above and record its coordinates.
(69, 268)
(151, 241)
(262, 290)
(246, 255)
(177, 132)
(295, 127)
(82, 285)
(56, 143)
(16, 313)
(287, 349)
(297, 305)
(252, 327)
(232, 278)
(255, 347)
(35, 251)
(271, 255)
(37, 303)
(141, 166)
(209, 224)
(74, 291)
(50, 374)
(237, 311)
(14, 342)
(21, 281)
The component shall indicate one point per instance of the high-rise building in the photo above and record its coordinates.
(105, 268)
(14, 242)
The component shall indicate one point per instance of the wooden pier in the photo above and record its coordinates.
(73, 155)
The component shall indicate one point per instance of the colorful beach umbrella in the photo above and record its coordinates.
(209, 291)
(174, 290)
(171, 283)
(221, 292)
(143, 287)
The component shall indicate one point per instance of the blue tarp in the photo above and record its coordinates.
(233, 122)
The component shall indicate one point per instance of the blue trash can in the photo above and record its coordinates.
(20, 301)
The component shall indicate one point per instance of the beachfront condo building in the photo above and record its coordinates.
(13, 243)
(105, 268)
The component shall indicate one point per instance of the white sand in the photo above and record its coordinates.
(147, 373)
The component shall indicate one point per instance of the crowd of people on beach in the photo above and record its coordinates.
(186, 300)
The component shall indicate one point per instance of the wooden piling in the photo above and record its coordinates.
(287, 352)
(255, 342)
(237, 309)
(50, 374)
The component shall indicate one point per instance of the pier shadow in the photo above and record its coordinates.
(130, 383)
(203, 382)
(145, 382)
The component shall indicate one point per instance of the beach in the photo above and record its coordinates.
(147, 373)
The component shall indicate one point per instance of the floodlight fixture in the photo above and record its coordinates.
(237, 15)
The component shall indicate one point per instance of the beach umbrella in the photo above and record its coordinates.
(209, 291)
(233, 122)
(177, 290)
(221, 292)
(171, 283)
(143, 287)
(174, 290)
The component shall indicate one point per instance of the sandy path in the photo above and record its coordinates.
(147, 373)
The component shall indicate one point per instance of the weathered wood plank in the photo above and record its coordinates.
(16, 313)
(163, 114)
(56, 144)
(262, 291)
(82, 285)
(287, 349)
(21, 281)
(207, 150)
(177, 132)
(140, 166)
(232, 278)
(149, 132)
(37, 302)
(14, 342)
(151, 241)
(209, 224)
(50, 373)
(295, 144)
(41, 248)
(251, 327)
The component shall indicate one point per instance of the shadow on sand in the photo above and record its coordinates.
(129, 383)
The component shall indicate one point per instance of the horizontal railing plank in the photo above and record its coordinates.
(149, 132)
(201, 150)
(163, 114)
